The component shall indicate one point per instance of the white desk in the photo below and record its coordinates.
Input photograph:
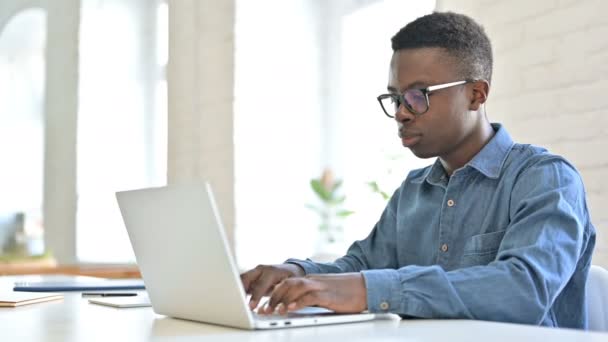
(73, 319)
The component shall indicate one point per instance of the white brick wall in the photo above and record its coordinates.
(200, 98)
(550, 84)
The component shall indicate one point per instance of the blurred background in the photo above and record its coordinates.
(259, 98)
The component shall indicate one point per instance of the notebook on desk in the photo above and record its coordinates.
(185, 261)
(138, 301)
(14, 299)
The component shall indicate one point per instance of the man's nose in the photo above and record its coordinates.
(403, 114)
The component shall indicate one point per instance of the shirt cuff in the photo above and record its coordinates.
(308, 265)
(383, 290)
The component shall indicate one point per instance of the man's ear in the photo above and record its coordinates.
(481, 89)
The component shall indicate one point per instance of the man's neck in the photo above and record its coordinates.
(469, 148)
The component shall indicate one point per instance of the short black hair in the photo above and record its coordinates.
(461, 37)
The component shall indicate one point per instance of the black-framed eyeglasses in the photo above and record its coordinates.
(415, 100)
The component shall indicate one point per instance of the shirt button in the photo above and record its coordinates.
(444, 247)
(384, 306)
(451, 203)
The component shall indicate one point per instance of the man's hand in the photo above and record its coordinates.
(344, 293)
(261, 280)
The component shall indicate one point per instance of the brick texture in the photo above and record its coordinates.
(200, 99)
(550, 84)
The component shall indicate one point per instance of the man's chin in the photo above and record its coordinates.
(421, 153)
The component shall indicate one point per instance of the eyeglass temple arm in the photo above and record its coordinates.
(445, 85)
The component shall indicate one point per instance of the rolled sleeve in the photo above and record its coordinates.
(383, 290)
(309, 266)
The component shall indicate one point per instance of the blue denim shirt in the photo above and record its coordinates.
(507, 237)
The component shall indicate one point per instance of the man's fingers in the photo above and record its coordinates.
(260, 288)
(249, 277)
(261, 281)
(288, 291)
(276, 295)
(256, 295)
(308, 299)
(306, 286)
(254, 284)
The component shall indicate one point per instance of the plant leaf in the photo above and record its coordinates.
(337, 201)
(316, 186)
(344, 213)
(374, 186)
(337, 184)
(314, 208)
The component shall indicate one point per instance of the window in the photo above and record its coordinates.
(22, 48)
(366, 141)
(277, 118)
(307, 77)
(121, 118)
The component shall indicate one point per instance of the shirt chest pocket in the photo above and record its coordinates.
(481, 249)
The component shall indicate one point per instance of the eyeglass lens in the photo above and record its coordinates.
(415, 101)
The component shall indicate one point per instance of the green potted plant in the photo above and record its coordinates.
(331, 213)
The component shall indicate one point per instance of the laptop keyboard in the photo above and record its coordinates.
(305, 312)
(275, 317)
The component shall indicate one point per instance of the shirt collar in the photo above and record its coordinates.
(489, 161)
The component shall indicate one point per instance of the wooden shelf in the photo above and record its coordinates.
(49, 266)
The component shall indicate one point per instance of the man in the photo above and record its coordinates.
(493, 230)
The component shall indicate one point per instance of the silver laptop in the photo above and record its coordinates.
(189, 273)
